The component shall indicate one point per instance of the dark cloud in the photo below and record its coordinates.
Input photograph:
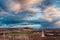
(46, 4)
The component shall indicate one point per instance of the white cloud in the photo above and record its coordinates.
(13, 6)
(3, 13)
(56, 24)
(29, 25)
(51, 12)
(19, 5)
(47, 19)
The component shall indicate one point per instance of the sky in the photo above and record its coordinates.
(36, 14)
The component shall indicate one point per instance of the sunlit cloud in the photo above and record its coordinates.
(30, 2)
(19, 5)
(15, 7)
(49, 19)
(51, 12)
(36, 10)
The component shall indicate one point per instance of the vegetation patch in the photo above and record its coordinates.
(21, 32)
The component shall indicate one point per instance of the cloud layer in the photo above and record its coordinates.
(43, 12)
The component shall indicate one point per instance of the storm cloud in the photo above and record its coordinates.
(43, 12)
